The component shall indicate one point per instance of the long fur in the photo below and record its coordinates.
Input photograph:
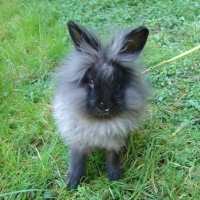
(76, 126)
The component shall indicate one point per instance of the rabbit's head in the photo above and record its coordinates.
(108, 72)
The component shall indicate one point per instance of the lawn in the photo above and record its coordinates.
(162, 160)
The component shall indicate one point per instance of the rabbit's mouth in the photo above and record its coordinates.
(105, 115)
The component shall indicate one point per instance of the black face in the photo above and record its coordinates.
(105, 84)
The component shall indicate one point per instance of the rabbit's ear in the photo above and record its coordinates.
(80, 35)
(135, 40)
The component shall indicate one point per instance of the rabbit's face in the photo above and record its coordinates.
(107, 71)
(105, 84)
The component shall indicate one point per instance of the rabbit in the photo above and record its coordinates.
(99, 97)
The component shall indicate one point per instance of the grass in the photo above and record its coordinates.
(163, 157)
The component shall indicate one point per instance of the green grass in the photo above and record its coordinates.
(163, 157)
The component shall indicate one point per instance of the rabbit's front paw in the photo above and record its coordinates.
(114, 169)
(115, 174)
(77, 167)
(73, 179)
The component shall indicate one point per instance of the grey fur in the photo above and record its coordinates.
(77, 127)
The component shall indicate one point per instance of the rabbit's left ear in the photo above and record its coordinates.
(80, 35)
(135, 40)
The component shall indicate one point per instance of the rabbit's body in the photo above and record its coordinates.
(100, 97)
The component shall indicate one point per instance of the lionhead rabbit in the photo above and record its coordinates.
(99, 97)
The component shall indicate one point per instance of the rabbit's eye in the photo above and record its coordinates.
(91, 83)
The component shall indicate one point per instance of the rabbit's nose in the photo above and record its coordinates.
(105, 106)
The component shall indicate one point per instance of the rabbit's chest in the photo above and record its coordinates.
(107, 134)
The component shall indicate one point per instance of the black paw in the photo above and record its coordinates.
(77, 167)
(72, 181)
(115, 174)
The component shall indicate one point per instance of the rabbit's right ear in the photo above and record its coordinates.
(80, 35)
